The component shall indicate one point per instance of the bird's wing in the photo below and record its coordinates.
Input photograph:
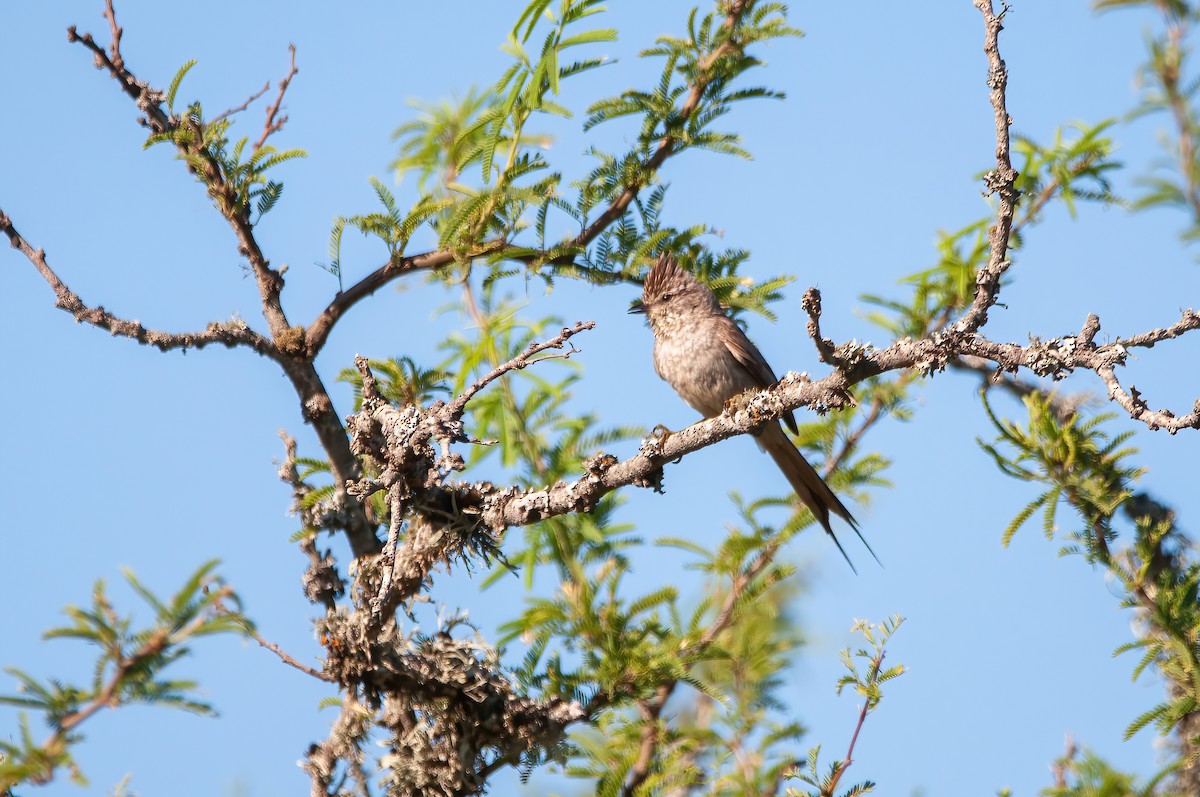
(750, 358)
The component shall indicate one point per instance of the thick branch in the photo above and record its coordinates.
(502, 507)
(315, 404)
(318, 331)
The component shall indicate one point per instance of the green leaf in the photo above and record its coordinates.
(174, 85)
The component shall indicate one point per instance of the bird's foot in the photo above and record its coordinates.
(652, 444)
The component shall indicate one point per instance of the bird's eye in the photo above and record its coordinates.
(664, 297)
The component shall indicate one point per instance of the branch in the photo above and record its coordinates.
(811, 304)
(115, 47)
(503, 507)
(150, 102)
(1001, 181)
(521, 361)
(285, 658)
(230, 112)
(230, 333)
(862, 717)
(273, 125)
(318, 332)
(650, 710)
(1139, 410)
(293, 354)
(851, 442)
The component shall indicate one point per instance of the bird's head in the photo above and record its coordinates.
(671, 289)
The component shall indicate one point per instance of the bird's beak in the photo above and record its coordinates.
(637, 308)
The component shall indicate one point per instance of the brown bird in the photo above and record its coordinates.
(707, 359)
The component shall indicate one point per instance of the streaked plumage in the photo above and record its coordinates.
(701, 353)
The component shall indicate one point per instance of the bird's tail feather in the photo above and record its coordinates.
(810, 488)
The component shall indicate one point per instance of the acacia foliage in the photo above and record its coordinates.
(582, 674)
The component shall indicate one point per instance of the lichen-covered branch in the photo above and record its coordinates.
(403, 437)
(1000, 182)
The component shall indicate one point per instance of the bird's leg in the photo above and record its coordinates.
(739, 400)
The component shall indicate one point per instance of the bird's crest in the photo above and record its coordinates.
(666, 274)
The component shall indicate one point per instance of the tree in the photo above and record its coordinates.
(484, 460)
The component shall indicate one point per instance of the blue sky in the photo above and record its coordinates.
(117, 455)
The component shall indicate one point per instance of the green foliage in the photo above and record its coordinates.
(391, 226)
(1079, 463)
(728, 733)
(1169, 85)
(1075, 167)
(1076, 460)
(236, 180)
(1164, 587)
(445, 139)
(1092, 776)
(401, 381)
(173, 88)
(869, 686)
(712, 56)
(129, 668)
(489, 131)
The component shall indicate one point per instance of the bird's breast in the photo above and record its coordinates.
(697, 364)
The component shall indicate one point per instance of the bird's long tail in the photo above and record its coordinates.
(810, 488)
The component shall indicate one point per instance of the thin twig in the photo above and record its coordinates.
(286, 659)
(243, 106)
(867, 706)
(851, 440)
(114, 47)
(273, 124)
(521, 361)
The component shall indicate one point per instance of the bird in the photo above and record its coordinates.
(707, 359)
